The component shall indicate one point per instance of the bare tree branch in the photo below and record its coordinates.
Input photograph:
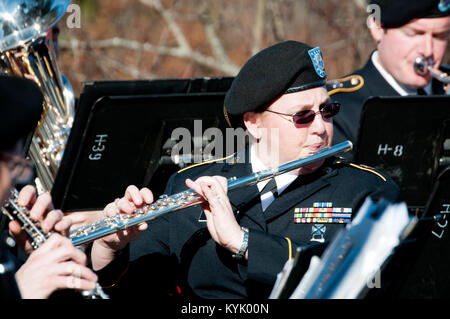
(361, 4)
(184, 53)
(109, 63)
(216, 44)
(277, 20)
(163, 40)
(170, 20)
(258, 30)
(220, 62)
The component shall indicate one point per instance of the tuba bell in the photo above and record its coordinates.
(27, 50)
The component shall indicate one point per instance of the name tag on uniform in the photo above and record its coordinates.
(322, 213)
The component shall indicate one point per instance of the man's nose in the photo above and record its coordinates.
(427, 45)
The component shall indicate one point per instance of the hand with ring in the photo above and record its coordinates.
(220, 219)
(56, 264)
(103, 249)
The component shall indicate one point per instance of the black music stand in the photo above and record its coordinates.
(295, 273)
(122, 135)
(408, 139)
(404, 137)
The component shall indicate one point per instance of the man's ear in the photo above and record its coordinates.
(376, 30)
(252, 122)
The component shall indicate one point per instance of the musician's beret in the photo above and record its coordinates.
(20, 109)
(395, 13)
(283, 68)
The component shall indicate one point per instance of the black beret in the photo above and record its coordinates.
(20, 109)
(395, 13)
(285, 67)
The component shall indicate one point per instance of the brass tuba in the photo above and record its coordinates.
(27, 50)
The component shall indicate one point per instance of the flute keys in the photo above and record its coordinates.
(140, 211)
(163, 203)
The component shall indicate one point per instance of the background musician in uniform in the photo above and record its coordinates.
(406, 30)
(234, 244)
(52, 265)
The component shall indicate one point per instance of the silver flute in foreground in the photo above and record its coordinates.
(167, 204)
(38, 236)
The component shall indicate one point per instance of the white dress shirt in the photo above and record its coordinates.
(283, 180)
(400, 88)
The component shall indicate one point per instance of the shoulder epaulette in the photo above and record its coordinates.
(348, 84)
(363, 168)
(209, 162)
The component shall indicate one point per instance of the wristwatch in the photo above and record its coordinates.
(244, 246)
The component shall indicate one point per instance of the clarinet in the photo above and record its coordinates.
(38, 236)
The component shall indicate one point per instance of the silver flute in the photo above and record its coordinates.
(167, 204)
(38, 236)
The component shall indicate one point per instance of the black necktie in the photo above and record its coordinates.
(421, 91)
(271, 186)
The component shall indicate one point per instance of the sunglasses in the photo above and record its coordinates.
(307, 116)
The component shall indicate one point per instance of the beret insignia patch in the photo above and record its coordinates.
(444, 5)
(317, 60)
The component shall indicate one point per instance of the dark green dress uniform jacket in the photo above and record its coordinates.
(178, 251)
(346, 122)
